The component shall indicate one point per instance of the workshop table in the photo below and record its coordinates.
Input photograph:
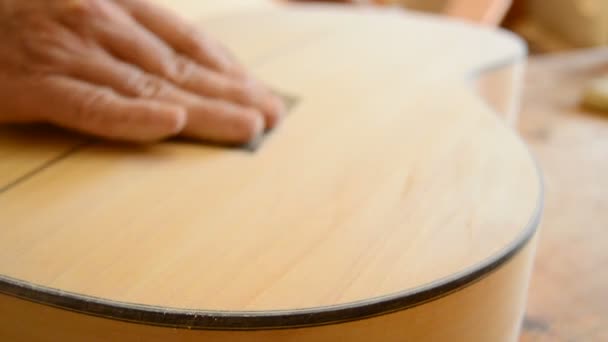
(568, 298)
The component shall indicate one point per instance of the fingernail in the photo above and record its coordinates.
(182, 119)
(276, 109)
(257, 129)
(179, 117)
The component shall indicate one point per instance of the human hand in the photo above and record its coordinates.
(125, 70)
(487, 12)
(365, 2)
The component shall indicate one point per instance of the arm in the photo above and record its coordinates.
(489, 12)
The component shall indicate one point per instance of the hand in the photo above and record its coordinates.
(126, 70)
(362, 2)
(487, 12)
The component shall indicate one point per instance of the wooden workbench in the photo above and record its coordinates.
(568, 299)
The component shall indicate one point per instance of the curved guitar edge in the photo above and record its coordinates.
(264, 320)
(500, 83)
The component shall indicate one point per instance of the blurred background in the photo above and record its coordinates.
(563, 118)
(548, 26)
(568, 134)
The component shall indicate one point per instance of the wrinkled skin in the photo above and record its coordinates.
(124, 70)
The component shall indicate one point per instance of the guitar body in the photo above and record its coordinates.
(392, 204)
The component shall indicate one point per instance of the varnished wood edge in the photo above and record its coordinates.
(281, 319)
(264, 320)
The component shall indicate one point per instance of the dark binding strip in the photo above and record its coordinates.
(264, 320)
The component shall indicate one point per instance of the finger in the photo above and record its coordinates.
(208, 119)
(244, 91)
(141, 48)
(102, 112)
(127, 40)
(183, 36)
(222, 121)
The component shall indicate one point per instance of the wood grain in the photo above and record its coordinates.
(390, 178)
(311, 188)
(568, 297)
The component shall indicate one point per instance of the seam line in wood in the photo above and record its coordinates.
(44, 166)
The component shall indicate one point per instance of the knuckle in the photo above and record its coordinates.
(181, 70)
(42, 39)
(97, 112)
(89, 102)
(47, 44)
(147, 86)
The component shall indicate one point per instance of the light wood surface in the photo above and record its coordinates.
(568, 298)
(390, 176)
